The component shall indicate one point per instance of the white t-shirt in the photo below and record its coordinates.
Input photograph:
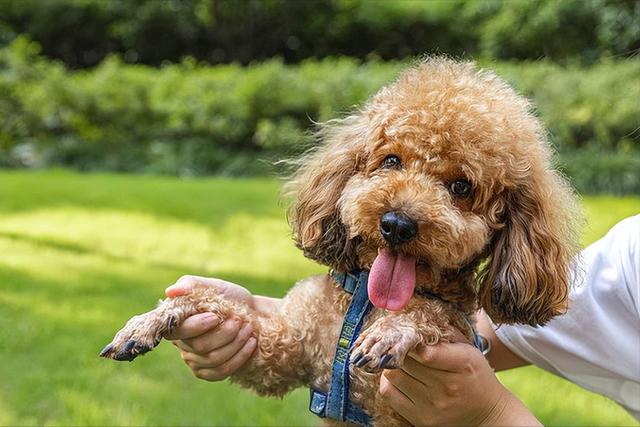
(596, 344)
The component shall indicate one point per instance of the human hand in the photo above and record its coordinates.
(212, 348)
(451, 384)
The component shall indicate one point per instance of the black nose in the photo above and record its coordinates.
(397, 228)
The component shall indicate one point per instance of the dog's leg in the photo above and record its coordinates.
(144, 332)
(296, 343)
(385, 344)
(289, 342)
(279, 363)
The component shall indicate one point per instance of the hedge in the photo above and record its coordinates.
(82, 33)
(194, 119)
(594, 171)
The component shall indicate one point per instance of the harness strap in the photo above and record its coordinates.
(354, 414)
(336, 404)
(348, 281)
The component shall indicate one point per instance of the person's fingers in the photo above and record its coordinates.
(451, 357)
(229, 367)
(221, 355)
(409, 386)
(429, 377)
(397, 399)
(194, 326)
(211, 340)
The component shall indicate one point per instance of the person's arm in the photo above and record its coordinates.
(214, 349)
(500, 357)
(452, 383)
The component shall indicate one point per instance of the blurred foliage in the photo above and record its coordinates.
(82, 32)
(194, 119)
(595, 171)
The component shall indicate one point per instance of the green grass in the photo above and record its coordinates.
(80, 254)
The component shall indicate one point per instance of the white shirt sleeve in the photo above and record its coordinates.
(596, 344)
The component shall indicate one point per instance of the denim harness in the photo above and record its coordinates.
(336, 404)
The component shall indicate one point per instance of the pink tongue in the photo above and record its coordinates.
(392, 280)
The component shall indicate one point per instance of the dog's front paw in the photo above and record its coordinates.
(141, 334)
(383, 345)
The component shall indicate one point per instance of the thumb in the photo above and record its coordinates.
(186, 284)
(177, 290)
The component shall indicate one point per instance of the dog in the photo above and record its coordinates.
(441, 189)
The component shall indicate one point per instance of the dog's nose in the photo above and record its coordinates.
(397, 228)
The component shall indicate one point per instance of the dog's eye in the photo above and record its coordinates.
(391, 162)
(460, 187)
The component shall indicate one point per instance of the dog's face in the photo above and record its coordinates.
(416, 198)
(442, 170)
(411, 205)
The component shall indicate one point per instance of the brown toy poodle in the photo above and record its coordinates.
(441, 188)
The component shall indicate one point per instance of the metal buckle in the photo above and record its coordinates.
(486, 344)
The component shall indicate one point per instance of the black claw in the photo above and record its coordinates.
(363, 362)
(124, 357)
(129, 346)
(142, 349)
(385, 360)
(128, 352)
(172, 322)
(356, 357)
(106, 350)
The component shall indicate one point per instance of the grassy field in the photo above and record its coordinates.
(80, 254)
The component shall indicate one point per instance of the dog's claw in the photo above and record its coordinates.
(130, 351)
(107, 350)
(356, 358)
(363, 361)
(385, 361)
(172, 322)
(127, 353)
(124, 357)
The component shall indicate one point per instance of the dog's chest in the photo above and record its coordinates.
(322, 311)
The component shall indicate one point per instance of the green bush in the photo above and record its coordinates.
(594, 171)
(82, 33)
(592, 106)
(193, 119)
(561, 29)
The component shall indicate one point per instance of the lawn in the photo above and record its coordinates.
(81, 253)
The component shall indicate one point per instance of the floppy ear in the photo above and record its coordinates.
(527, 277)
(316, 188)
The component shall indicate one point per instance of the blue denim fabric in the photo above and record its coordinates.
(336, 404)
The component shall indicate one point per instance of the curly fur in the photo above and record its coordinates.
(507, 247)
(451, 120)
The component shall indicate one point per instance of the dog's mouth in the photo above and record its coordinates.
(392, 280)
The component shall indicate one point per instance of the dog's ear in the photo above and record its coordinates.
(526, 279)
(316, 188)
